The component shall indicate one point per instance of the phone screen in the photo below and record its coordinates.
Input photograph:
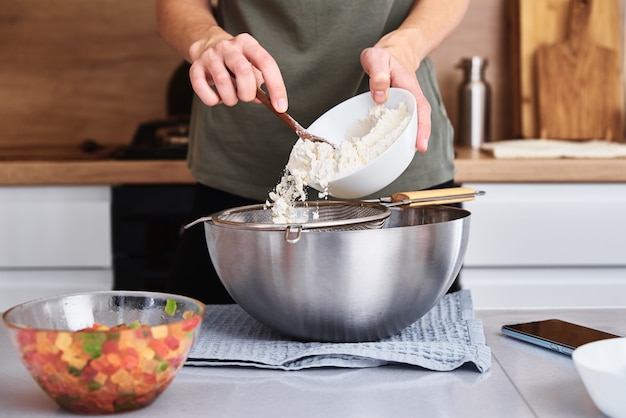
(556, 334)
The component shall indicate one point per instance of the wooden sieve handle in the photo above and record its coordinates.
(436, 196)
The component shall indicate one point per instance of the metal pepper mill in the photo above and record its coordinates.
(474, 104)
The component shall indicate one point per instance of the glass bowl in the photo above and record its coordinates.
(104, 352)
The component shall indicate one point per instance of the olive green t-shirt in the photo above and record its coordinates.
(244, 149)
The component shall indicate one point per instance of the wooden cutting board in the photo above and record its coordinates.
(538, 23)
(579, 94)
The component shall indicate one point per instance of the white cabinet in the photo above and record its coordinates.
(547, 244)
(54, 240)
(531, 245)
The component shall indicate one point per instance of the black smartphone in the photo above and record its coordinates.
(555, 334)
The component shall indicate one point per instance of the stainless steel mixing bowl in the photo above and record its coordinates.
(360, 285)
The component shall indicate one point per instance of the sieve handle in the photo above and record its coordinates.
(197, 221)
(434, 197)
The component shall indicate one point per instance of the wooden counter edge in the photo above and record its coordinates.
(471, 167)
(102, 172)
(474, 166)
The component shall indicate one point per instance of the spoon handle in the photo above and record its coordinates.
(288, 120)
(285, 117)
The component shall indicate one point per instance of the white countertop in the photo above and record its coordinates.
(524, 381)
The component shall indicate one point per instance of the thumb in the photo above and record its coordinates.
(376, 64)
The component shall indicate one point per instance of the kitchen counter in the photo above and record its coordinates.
(524, 381)
(472, 167)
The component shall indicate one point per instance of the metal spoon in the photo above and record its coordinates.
(289, 121)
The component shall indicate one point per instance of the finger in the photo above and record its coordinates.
(202, 87)
(423, 132)
(408, 81)
(424, 124)
(401, 77)
(223, 82)
(272, 78)
(245, 80)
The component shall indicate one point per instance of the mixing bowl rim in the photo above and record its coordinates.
(201, 307)
(462, 214)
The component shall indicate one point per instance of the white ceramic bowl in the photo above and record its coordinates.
(602, 368)
(384, 169)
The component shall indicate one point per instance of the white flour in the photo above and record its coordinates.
(319, 163)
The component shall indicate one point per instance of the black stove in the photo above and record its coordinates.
(157, 140)
(165, 138)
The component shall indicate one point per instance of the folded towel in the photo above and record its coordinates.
(443, 339)
(552, 148)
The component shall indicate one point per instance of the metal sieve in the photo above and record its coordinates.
(332, 215)
(326, 215)
(318, 215)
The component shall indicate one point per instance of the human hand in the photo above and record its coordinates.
(385, 70)
(227, 69)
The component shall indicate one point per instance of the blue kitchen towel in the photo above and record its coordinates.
(447, 337)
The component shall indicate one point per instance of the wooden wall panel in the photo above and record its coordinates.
(77, 69)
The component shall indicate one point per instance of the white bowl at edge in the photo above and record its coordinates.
(602, 368)
(388, 166)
